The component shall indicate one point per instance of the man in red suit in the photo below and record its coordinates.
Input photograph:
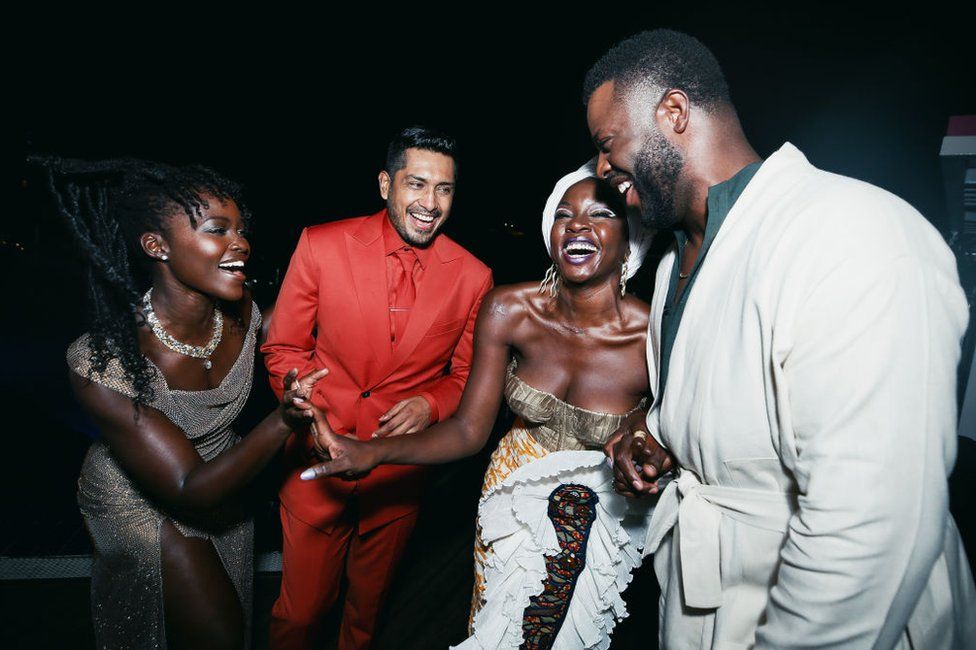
(388, 306)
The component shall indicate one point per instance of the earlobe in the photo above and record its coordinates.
(384, 180)
(154, 246)
(676, 108)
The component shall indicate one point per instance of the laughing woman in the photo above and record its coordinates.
(163, 371)
(555, 544)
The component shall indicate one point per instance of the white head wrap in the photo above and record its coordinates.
(640, 238)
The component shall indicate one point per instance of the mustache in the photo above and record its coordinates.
(427, 213)
(613, 176)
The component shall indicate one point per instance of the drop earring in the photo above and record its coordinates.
(550, 282)
(623, 277)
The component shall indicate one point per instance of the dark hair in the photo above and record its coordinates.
(418, 137)
(665, 59)
(107, 206)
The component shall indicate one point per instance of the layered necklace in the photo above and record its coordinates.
(167, 339)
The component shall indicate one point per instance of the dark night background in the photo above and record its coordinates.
(300, 109)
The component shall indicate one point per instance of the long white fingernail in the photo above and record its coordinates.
(308, 475)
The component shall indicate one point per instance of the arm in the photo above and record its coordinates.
(441, 399)
(445, 395)
(290, 342)
(162, 461)
(460, 435)
(870, 381)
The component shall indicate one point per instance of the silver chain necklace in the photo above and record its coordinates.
(197, 351)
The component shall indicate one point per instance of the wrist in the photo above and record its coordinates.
(279, 424)
(637, 420)
(382, 450)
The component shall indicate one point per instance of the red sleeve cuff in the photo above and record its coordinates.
(434, 411)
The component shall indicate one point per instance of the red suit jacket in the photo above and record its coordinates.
(333, 312)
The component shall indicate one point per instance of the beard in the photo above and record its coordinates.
(656, 170)
(413, 238)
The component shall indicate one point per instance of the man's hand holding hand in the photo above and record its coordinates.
(638, 460)
(407, 416)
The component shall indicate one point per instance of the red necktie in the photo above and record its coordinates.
(403, 293)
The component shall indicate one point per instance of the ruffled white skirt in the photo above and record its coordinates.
(517, 533)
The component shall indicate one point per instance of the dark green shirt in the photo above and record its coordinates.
(721, 198)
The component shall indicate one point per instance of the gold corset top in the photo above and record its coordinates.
(555, 424)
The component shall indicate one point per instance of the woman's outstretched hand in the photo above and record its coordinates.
(295, 403)
(345, 455)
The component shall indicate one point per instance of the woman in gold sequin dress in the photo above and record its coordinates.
(555, 544)
(163, 374)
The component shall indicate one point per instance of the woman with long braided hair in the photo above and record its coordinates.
(163, 371)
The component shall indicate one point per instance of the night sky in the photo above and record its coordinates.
(300, 112)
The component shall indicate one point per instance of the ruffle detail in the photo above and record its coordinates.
(514, 521)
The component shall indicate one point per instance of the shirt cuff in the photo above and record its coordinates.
(434, 411)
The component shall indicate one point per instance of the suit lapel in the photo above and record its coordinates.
(662, 279)
(368, 267)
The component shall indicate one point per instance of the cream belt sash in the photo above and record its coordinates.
(697, 509)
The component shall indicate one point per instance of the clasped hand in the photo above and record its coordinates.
(638, 460)
(293, 408)
(343, 455)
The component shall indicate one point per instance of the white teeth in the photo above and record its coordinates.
(232, 266)
(580, 248)
(623, 187)
(422, 217)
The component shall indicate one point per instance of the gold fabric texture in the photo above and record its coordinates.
(124, 523)
(555, 424)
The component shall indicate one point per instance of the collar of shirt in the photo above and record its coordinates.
(721, 197)
(392, 242)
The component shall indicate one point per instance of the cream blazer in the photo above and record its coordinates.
(811, 406)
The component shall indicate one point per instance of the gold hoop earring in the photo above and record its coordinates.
(550, 282)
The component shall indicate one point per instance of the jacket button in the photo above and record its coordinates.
(365, 394)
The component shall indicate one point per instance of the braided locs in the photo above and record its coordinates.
(107, 205)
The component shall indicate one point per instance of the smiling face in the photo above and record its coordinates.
(209, 258)
(588, 239)
(635, 157)
(419, 195)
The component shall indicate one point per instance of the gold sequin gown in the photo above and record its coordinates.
(544, 424)
(124, 524)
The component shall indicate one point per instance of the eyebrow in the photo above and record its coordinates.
(424, 180)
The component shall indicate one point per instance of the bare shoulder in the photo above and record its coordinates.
(637, 311)
(512, 300)
(113, 408)
(503, 310)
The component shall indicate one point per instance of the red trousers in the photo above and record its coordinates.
(312, 566)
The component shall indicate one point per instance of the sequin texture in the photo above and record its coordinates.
(124, 523)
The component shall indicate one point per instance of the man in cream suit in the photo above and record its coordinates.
(804, 340)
